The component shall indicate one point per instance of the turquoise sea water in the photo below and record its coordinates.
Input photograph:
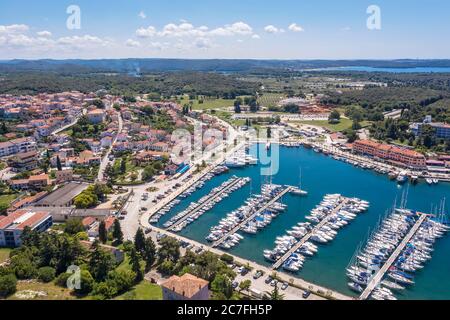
(390, 70)
(322, 175)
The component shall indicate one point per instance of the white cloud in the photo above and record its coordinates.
(237, 28)
(202, 43)
(142, 15)
(82, 41)
(132, 43)
(186, 29)
(44, 34)
(14, 28)
(271, 29)
(255, 36)
(146, 32)
(296, 28)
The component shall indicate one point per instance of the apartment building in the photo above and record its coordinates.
(406, 157)
(12, 226)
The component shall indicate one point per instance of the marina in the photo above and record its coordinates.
(321, 176)
(398, 249)
(246, 218)
(195, 210)
(333, 213)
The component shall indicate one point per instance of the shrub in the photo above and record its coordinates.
(227, 258)
(46, 274)
(8, 285)
(86, 283)
(61, 280)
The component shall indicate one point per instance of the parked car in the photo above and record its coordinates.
(285, 286)
(268, 280)
(235, 284)
(274, 283)
(306, 294)
(258, 275)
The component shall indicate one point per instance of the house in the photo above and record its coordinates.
(159, 146)
(186, 287)
(64, 175)
(117, 253)
(15, 146)
(96, 116)
(33, 182)
(25, 161)
(93, 230)
(12, 226)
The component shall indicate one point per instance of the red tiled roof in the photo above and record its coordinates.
(186, 285)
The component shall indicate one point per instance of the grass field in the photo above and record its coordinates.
(5, 200)
(41, 291)
(4, 254)
(143, 291)
(270, 99)
(208, 103)
(341, 126)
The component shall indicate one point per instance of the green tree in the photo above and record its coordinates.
(139, 241)
(123, 279)
(135, 263)
(73, 226)
(58, 163)
(149, 254)
(117, 232)
(335, 116)
(86, 283)
(169, 249)
(8, 284)
(222, 287)
(123, 166)
(102, 232)
(245, 285)
(100, 262)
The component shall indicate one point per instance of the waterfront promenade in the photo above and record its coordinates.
(299, 244)
(380, 274)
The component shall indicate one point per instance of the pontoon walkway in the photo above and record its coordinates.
(305, 239)
(380, 274)
(249, 218)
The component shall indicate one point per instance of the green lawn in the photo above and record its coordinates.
(270, 99)
(208, 103)
(4, 254)
(341, 126)
(143, 291)
(5, 200)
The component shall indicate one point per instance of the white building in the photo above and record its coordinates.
(12, 226)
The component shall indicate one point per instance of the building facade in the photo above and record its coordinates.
(186, 287)
(12, 226)
(406, 157)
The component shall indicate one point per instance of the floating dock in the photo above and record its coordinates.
(252, 216)
(206, 202)
(306, 238)
(380, 274)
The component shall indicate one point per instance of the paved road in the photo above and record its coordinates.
(105, 160)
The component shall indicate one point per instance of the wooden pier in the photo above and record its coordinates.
(201, 205)
(249, 218)
(380, 274)
(305, 239)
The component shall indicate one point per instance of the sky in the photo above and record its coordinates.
(231, 29)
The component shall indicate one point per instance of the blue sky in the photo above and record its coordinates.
(282, 29)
